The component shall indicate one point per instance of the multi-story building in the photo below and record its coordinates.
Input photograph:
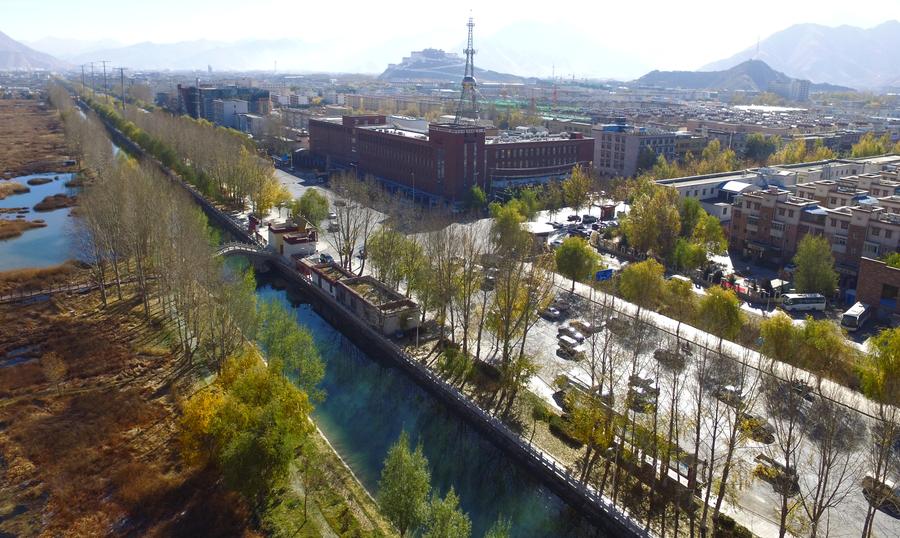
(689, 143)
(443, 161)
(225, 111)
(198, 101)
(618, 147)
(768, 224)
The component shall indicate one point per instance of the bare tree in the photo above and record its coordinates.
(785, 401)
(883, 460)
(829, 468)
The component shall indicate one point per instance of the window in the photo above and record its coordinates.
(833, 223)
(832, 200)
(781, 211)
(845, 225)
(876, 232)
(888, 234)
(791, 213)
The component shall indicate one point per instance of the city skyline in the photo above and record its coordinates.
(611, 40)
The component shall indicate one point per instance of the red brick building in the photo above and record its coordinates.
(444, 163)
(878, 286)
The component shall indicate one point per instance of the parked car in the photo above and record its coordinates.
(757, 428)
(333, 226)
(783, 478)
(617, 325)
(641, 399)
(883, 496)
(588, 219)
(571, 332)
(568, 342)
(729, 395)
(556, 225)
(556, 243)
(326, 258)
(670, 358)
(573, 218)
(636, 380)
(361, 254)
(561, 304)
(488, 283)
(584, 327)
(332, 215)
(570, 354)
(551, 313)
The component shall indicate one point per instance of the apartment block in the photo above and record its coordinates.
(618, 146)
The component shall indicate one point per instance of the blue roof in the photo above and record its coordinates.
(815, 210)
(865, 199)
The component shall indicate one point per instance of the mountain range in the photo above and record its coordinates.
(15, 56)
(845, 55)
(751, 75)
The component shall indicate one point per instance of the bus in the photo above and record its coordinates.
(795, 302)
(856, 316)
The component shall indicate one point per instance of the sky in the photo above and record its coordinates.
(657, 33)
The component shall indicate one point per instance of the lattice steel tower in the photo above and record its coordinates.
(468, 98)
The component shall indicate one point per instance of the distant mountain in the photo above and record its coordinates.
(752, 75)
(845, 55)
(436, 64)
(198, 54)
(15, 56)
(66, 49)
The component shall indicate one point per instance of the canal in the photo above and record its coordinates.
(369, 402)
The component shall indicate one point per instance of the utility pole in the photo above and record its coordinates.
(122, 77)
(105, 83)
(93, 92)
(82, 77)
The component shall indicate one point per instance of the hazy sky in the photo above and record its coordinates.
(662, 33)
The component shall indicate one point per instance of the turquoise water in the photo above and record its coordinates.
(39, 247)
(368, 403)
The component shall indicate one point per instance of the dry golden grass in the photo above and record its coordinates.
(9, 188)
(55, 201)
(25, 280)
(14, 228)
(31, 138)
(100, 457)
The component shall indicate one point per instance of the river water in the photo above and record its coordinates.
(369, 402)
(39, 247)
